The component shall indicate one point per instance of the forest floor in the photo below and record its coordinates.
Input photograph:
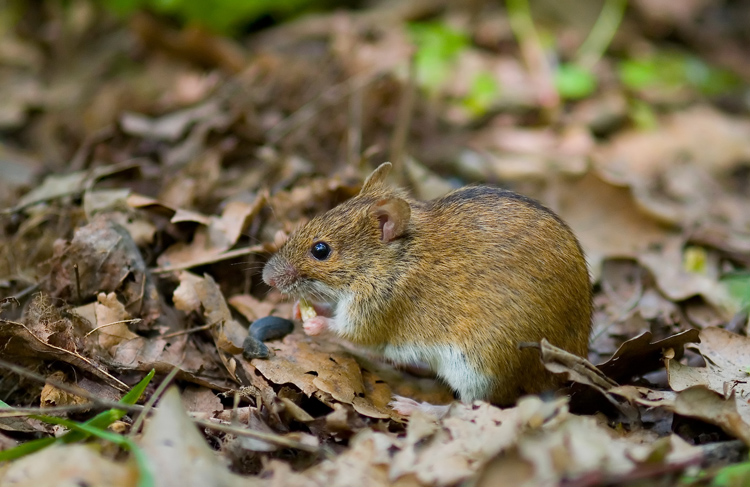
(148, 170)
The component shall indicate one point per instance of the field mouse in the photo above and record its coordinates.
(455, 283)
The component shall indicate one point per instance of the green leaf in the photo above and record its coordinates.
(135, 393)
(573, 82)
(26, 448)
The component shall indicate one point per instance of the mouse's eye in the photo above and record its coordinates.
(320, 250)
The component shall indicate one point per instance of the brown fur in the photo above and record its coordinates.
(481, 269)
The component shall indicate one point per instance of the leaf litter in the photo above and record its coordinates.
(140, 204)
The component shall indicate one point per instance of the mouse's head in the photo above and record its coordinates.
(347, 249)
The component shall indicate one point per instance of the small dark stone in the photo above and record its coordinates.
(270, 328)
(252, 348)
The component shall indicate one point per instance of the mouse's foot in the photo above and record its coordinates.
(316, 325)
(406, 407)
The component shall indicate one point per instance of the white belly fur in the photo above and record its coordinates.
(449, 363)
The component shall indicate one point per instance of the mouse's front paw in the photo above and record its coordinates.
(406, 407)
(316, 325)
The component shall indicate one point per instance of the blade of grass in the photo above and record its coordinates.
(101, 420)
(146, 477)
(26, 448)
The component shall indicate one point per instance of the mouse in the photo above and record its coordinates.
(455, 283)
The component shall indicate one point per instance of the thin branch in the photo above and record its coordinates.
(68, 388)
(259, 435)
(134, 320)
(255, 249)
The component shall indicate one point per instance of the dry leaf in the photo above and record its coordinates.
(179, 455)
(75, 464)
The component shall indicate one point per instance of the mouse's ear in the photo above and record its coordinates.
(393, 215)
(376, 178)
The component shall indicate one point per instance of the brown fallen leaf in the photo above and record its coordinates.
(250, 307)
(111, 322)
(640, 355)
(214, 236)
(695, 402)
(178, 453)
(195, 293)
(329, 376)
(102, 257)
(49, 334)
(196, 399)
(75, 464)
(606, 220)
(678, 283)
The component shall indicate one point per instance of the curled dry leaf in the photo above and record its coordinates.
(677, 283)
(214, 236)
(581, 371)
(107, 260)
(329, 376)
(111, 322)
(640, 355)
(52, 396)
(695, 402)
(227, 333)
(727, 358)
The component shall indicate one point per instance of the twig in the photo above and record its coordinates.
(134, 320)
(259, 435)
(519, 15)
(14, 412)
(69, 389)
(115, 382)
(78, 283)
(231, 254)
(601, 34)
(354, 134)
(190, 330)
(403, 123)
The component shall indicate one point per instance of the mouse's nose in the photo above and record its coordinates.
(268, 276)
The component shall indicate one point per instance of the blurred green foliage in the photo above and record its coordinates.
(737, 475)
(483, 92)
(738, 284)
(438, 48)
(574, 82)
(673, 70)
(220, 16)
